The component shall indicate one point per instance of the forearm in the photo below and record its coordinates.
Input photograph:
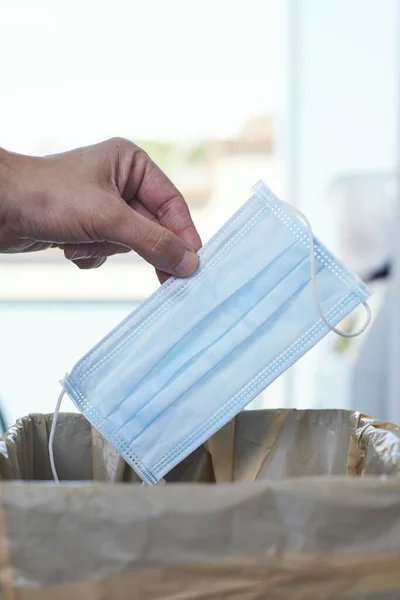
(6, 177)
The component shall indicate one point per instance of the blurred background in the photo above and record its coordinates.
(221, 93)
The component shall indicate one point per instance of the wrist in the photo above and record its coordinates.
(11, 168)
(5, 173)
(12, 174)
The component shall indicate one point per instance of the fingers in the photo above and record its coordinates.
(141, 209)
(144, 235)
(152, 188)
(138, 206)
(159, 246)
(93, 255)
(162, 276)
(90, 263)
(92, 250)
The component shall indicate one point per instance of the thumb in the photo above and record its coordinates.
(156, 244)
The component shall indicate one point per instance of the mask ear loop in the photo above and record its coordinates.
(314, 282)
(51, 436)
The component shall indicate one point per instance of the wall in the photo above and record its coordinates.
(342, 115)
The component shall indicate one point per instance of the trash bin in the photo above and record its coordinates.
(306, 507)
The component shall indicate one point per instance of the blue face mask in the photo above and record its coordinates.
(200, 349)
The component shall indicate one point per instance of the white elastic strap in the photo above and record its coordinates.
(314, 282)
(51, 437)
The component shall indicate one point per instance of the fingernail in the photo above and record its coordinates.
(99, 262)
(80, 252)
(188, 264)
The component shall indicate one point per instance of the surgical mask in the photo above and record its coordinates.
(200, 349)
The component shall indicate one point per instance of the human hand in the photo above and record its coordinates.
(94, 202)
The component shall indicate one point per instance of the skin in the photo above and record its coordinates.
(93, 202)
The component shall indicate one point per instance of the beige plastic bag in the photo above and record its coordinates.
(299, 522)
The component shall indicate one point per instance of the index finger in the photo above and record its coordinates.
(158, 194)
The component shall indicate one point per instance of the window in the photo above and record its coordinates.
(197, 84)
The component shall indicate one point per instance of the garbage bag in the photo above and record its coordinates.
(307, 507)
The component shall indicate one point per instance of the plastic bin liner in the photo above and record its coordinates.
(307, 507)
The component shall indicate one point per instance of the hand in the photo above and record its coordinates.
(94, 202)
